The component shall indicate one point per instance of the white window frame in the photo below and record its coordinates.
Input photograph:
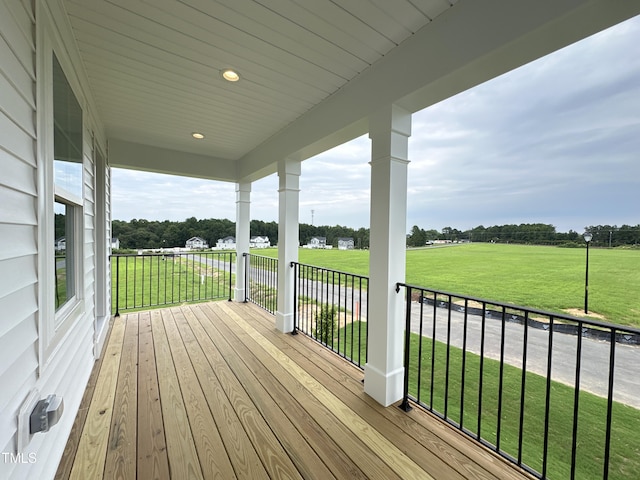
(54, 326)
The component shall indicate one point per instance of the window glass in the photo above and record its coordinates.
(67, 178)
(64, 247)
(67, 134)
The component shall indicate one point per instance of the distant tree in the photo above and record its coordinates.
(417, 237)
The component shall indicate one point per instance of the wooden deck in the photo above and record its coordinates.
(214, 391)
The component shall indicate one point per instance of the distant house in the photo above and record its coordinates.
(196, 243)
(345, 243)
(259, 242)
(61, 244)
(115, 243)
(317, 242)
(226, 243)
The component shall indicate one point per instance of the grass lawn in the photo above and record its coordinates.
(147, 281)
(625, 449)
(548, 278)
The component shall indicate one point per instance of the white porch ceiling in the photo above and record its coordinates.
(312, 70)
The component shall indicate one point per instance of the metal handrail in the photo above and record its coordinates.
(158, 279)
(435, 309)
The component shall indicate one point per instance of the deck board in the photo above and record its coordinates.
(152, 460)
(212, 390)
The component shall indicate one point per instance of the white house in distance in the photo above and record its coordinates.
(259, 242)
(345, 243)
(115, 243)
(143, 78)
(317, 242)
(226, 243)
(195, 243)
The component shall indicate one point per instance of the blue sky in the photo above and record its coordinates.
(556, 141)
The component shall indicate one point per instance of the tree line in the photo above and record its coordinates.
(140, 233)
(530, 233)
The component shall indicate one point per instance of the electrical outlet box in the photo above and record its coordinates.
(24, 414)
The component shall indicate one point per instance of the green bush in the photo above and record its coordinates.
(326, 323)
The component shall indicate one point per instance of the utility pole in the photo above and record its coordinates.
(610, 232)
(312, 212)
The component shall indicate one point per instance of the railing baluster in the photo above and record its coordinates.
(481, 373)
(433, 352)
(501, 377)
(420, 343)
(576, 401)
(117, 286)
(547, 459)
(407, 354)
(612, 362)
(448, 359)
(547, 401)
(523, 384)
(464, 361)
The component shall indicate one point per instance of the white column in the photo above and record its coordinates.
(389, 131)
(243, 222)
(288, 239)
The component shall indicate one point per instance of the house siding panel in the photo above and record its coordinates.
(66, 370)
(18, 220)
(16, 72)
(17, 174)
(17, 241)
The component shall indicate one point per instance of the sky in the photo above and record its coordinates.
(556, 141)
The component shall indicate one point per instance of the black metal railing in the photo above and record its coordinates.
(556, 395)
(331, 307)
(152, 280)
(261, 281)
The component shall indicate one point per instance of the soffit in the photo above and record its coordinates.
(154, 65)
(312, 70)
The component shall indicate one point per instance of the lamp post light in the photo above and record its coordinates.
(587, 238)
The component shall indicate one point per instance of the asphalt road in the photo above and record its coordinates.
(594, 371)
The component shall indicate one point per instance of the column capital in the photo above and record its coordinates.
(289, 166)
(390, 118)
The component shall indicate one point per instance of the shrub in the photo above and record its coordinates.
(326, 323)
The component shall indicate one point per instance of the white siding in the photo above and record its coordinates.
(22, 233)
(18, 220)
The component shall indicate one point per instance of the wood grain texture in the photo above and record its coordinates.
(153, 462)
(181, 449)
(69, 454)
(92, 450)
(393, 456)
(210, 366)
(121, 453)
(222, 394)
(206, 437)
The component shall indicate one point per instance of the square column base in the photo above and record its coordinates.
(238, 295)
(284, 322)
(385, 389)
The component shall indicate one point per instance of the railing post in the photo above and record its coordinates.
(117, 286)
(405, 406)
(246, 265)
(230, 275)
(294, 265)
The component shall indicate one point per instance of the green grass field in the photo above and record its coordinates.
(625, 449)
(548, 278)
(148, 281)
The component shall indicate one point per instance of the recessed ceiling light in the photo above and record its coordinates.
(230, 75)
(197, 135)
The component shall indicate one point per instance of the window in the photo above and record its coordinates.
(67, 179)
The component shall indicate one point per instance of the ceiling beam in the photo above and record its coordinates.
(137, 156)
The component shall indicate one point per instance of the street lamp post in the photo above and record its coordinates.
(587, 238)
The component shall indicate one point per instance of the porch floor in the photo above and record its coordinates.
(212, 390)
